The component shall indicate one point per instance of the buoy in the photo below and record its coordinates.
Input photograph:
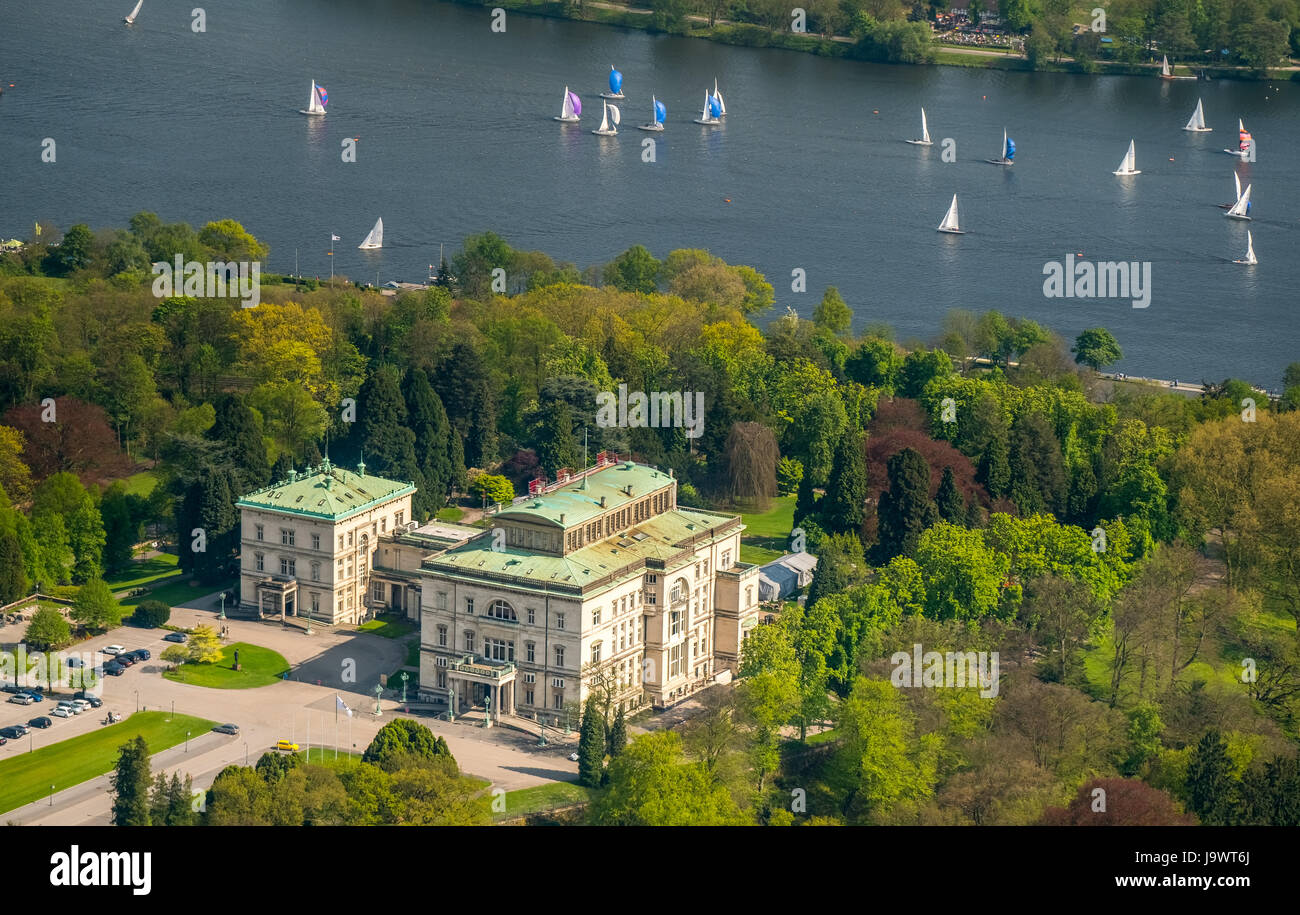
(875, 111)
(1171, 158)
(728, 199)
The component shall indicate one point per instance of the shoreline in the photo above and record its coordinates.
(944, 55)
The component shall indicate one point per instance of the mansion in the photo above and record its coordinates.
(595, 583)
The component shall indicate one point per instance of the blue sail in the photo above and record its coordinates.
(1011, 148)
(715, 107)
(615, 81)
(660, 112)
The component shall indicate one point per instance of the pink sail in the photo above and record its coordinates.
(577, 102)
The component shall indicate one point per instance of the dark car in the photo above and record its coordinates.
(95, 701)
(227, 729)
(13, 688)
(139, 655)
(41, 721)
(123, 660)
(13, 732)
(176, 637)
(114, 669)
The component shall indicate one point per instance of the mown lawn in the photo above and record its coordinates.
(389, 625)
(175, 593)
(538, 798)
(767, 534)
(143, 572)
(25, 777)
(258, 666)
(142, 483)
(451, 513)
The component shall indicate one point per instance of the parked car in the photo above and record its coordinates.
(36, 694)
(76, 662)
(21, 699)
(113, 649)
(176, 637)
(114, 669)
(89, 698)
(227, 729)
(3, 741)
(41, 721)
(13, 688)
(63, 711)
(124, 660)
(142, 654)
(80, 704)
(286, 745)
(13, 732)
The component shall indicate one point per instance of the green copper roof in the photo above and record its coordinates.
(659, 538)
(326, 492)
(580, 505)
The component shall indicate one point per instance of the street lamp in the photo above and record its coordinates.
(187, 741)
(51, 795)
(137, 700)
(404, 678)
(223, 606)
(245, 752)
(379, 691)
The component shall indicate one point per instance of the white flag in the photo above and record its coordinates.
(343, 705)
(334, 237)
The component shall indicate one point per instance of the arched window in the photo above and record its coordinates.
(499, 609)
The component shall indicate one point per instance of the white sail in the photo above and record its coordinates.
(925, 129)
(1003, 154)
(376, 237)
(1127, 166)
(604, 116)
(1250, 249)
(614, 115)
(313, 103)
(950, 223)
(1197, 121)
(1239, 208)
(566, 110)
(135, 12)
(1236, 179)
(1164, 66)
(722, 106)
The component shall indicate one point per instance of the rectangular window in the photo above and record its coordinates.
(675, 623)
(469, 641)
(595, 616)
(532, 616)
(530, 652)
(315, 541)
(288, 566)
(559, 621)
(749, 597)
(397, 518)
(260, 562)
(557, 701)
(651, 599)
(469, 605)
(340, 571)
(675, 661)
(260, 534)
(442, 636)
(528, 697)
(559, 655)
(440, 600)
(315, 602)
(726, 559)
(378, 593)
(595, 653)
(350, 536)
(383, 525)
(442, 679)
(286, 536)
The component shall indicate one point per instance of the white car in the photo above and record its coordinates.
(62, 711)
(113, 649)
(80, 705)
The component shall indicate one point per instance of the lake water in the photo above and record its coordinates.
(456, 137)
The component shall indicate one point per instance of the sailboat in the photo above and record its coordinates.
(130, 17)
(1244, 141)
(712, 109)
(376, 237)
(1236, 181)
(659, 114)
(1197, 122)
(1166, 72)
(572, 108)
(949, 223)
(1127, 166)
(1008, 151)
(1241, 209)
(925, 133)
(1249, 259)
(722, 106)
(316, 103)
(608, 113)
(615, 84)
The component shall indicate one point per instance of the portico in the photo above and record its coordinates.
(474, 680)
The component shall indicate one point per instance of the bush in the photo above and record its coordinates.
(151, 614)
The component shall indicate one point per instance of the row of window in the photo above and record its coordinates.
(498, 649)
(288, 535)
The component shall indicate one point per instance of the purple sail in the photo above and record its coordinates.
(577, 102)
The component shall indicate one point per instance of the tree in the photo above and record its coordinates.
(1209, 784)
(175, 655)
(94, 607)
(62, 494)
(751, 459)
(130, 784)
(591, 746)
(905, 508)
(617, 734)
(556, 449)
(842, 509)
(651, 784)
(1037, 469)
(1122, 802)
(920, 367)
(1096, 348)
(832, 314)
(240, 429)
(48, 630)
(948, 501)
(230, 241)
(13, 575)
(239, 797)
(875, 363)
(73, 253)
(204, 645)
(879, 767)
(493, 488)
(151, 614)
(438, 449)
(401, 738)
(382, 425)
(635, 270)
(121, 513)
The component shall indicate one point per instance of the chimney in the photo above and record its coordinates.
(602, 501)
(561, 517)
